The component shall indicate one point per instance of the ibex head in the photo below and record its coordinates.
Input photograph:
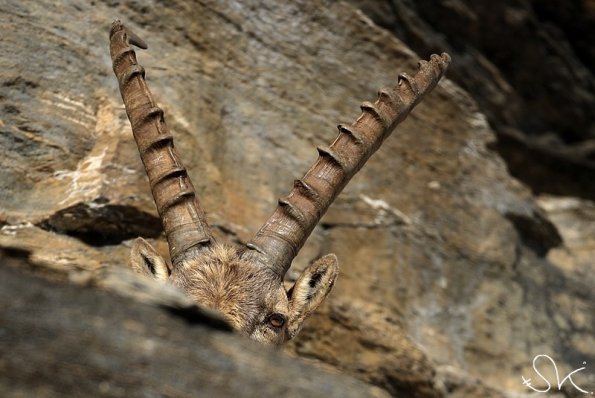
(246, 283)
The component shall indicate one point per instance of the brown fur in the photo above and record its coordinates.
(221, 280)
(248, 295)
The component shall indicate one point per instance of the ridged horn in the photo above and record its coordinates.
(279, 240)
(183, 219)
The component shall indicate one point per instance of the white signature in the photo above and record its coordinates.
(527, 382)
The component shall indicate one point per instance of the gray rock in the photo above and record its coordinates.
(67, 341)
(448, 285)
(529, 67)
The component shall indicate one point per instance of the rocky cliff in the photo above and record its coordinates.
(454, 275)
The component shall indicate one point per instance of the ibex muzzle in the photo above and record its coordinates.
(246, 283)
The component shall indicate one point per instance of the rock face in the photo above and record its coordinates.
(453, 277)
(531, 67)
(88, 343)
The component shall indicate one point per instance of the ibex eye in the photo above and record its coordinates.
(276, 320)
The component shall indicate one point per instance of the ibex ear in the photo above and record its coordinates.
(311, 288)
(145, 260)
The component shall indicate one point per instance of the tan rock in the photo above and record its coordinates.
(445, 286)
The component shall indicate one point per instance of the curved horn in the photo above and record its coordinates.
(183, 220)
(282, 236)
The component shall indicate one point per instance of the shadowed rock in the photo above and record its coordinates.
(436, 280)
(71, 341)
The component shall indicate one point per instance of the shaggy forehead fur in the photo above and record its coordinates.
(221, 280)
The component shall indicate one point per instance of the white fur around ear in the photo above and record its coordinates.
(145, 260)
(310, 290)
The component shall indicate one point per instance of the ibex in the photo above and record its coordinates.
(246, 283)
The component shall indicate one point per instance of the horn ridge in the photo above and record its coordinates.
(282, 236)
(183, 219)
